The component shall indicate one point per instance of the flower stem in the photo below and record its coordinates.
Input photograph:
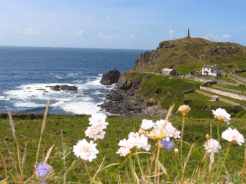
(156, 161)
(223, 163)
(218, 130)
(182, 134)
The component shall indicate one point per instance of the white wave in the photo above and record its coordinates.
(72, 75)
(78, 81)
(58, 77)
(81, 108)
(28, 104)
(98, 93)
(3, 98)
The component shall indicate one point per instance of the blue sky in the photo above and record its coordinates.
(120, 24)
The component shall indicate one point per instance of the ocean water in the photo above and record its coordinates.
(25, 73)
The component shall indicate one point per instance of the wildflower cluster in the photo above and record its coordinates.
(98, 124)
(160, 130)
(87, 150)
(231, 135)
(135, 140)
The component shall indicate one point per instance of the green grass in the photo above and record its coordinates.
(225, 79)
(241, 74)
(232, 99)
(239, 88)
(73, 128)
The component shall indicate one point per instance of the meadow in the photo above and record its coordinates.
(54, 137)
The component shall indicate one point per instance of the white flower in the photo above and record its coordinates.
(212, 144)
(146, 124)
(221, 115)
(98, 124)
(85, 150)
(160, 124)
(184, 109)
(134, 141)
(168, 128)
(123, 151)
(98, 120)
(176, 134)
(233, 136)
(158, 134)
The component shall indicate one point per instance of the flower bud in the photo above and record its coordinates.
(207, 137)
(184, 109)
(176, 151)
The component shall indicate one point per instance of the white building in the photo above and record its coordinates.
(210, 70)
(169, 72)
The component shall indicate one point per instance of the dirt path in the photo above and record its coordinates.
(236, 80)
(221, 99)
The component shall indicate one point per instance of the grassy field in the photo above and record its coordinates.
(241, 74)
(225, 79)
(239, 88)
(165, 91)
(73, 128)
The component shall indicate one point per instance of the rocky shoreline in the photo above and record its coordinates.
(124, 101)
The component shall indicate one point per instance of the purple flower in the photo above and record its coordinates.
(42, 170)
(167, 144)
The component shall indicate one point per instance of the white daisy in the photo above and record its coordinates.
(85, 150)
(212, 144)
(233, 136)
(146, 124)
(221, 115)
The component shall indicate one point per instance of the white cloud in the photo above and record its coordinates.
(31, 32)
(218, 38)
(131, 37)
(107, 36)
(172, 34)
(108, 17)
(80, 32)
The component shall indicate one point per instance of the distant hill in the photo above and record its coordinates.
(190, 54)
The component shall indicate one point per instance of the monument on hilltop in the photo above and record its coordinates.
(188, 35)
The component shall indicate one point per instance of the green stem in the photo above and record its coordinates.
(218, 131)
(223, 163)
(182, 134)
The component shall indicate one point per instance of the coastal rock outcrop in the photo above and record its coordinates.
(63, 87)
(125, 101)
(111, 77)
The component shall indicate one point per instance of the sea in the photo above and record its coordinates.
(25, 73)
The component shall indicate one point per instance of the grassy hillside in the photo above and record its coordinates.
(189, 54)
(165, 91)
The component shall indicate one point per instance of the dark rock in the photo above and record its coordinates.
(55, 88)
(62, 87)
(66, 87)
(111, 77)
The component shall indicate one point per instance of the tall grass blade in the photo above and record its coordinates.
(11, 122)
(48, 154)
(5, 167)
(98, 170)
(42, 129)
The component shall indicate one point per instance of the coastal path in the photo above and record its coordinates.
(221, 99)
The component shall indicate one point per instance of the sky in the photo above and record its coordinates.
(118, 24)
